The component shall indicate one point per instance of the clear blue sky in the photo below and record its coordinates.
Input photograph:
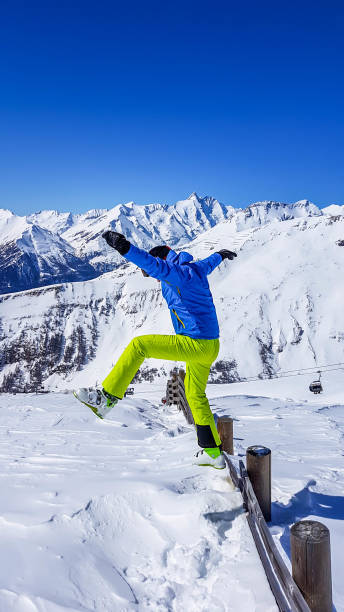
(106, 102)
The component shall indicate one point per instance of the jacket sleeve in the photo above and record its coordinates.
(156, 267)
(206, 266)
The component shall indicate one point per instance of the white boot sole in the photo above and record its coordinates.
(94, 410)
(211, 465)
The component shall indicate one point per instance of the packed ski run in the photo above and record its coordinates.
(113, 516)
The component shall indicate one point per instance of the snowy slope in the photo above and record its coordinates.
(70, 324)
(279, 306)
(112, 516)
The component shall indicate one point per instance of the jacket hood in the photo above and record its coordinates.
(179, 258)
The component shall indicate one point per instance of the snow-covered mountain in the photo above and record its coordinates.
(279, 306)
(183, 220)
(52, 220)
(80, 237)
(333, 209)
(146, 226)
(260, 213)
(31, 256)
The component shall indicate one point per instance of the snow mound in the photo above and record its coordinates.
(112, 515)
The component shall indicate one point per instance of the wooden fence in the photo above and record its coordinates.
(175, 394)
(285, 590)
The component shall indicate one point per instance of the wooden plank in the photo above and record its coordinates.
(281, 600)
(185, 405)
(186, 409)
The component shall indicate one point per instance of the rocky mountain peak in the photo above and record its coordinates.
(145, 226)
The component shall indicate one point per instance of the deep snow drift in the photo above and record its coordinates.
(112, 515)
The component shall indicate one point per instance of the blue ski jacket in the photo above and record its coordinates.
(185, 288)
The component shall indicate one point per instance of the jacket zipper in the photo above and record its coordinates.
(180, 321)
(178, 318)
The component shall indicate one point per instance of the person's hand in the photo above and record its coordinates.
(117, 241)
(225, 254)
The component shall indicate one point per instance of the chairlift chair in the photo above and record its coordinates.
(316, 386)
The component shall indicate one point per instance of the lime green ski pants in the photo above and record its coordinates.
(198, 356)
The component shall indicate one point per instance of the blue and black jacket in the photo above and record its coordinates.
(185, 288)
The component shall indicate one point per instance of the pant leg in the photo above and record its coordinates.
(195, 384)
(158, 346)
(198, 356)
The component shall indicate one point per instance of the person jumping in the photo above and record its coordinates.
(186, 290)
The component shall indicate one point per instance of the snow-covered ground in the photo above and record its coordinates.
(112, 515)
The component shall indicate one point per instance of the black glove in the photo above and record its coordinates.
(117, 241)
(227, 254)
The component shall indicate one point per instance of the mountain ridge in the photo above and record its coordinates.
(83, 252)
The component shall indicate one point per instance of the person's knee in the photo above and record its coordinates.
(137, 345)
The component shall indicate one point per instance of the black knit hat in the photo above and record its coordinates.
(160, 251)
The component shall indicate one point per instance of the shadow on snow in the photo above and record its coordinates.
(303, 504)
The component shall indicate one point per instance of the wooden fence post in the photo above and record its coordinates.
(183, 403)
(172, 397)
(258, 466)
(311, 563)
(225, 429)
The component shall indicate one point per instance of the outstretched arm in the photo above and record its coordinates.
(154, 266)
(209, 264)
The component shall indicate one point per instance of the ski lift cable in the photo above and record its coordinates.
(318, 368)
(315, 367)
(267, 377)
(301, 372)
(306, 373)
